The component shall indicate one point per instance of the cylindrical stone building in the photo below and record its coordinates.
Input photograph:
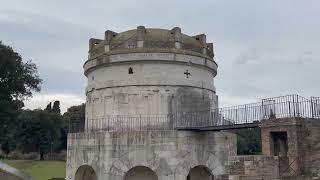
(149, 72)
(135, 78)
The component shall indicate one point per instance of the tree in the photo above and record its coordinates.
(56, 107)
(18, 80)
(75, 117)
(73, 121)
(39, 131)
(48, 108)
(248, 141)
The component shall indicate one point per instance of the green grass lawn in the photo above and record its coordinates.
(40, 170)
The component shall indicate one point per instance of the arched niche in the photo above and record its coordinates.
(200, 172)
(85, 172)
(130, 70)
(140, 173)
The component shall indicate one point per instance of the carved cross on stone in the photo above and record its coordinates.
(187, 74)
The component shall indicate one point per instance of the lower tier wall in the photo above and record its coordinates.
(169, 154)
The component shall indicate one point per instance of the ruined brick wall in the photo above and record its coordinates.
(253, 167)
(292, 127)
(303, 156)
(303, 144)
(310, 144)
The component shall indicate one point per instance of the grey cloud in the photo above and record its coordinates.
(263, 48)
(306, 57)
(60, 81)
(272, 56)
(252, 56)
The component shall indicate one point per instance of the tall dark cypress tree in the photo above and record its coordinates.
(56, 107)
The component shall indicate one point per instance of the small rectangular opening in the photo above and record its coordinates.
(280, 143)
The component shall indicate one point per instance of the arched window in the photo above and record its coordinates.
(130, 70)
(85, 172)
(140, 173)
(200, 172)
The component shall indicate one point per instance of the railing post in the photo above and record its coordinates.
(140, 122)
(312, 113)
(298, 106)
(261, 112)
(108, 123)
(246, 113)
(90, 126)
(86, 124)
(294, 107)
(210, 117)
(236, 113)
(117, 122)
(176, 121)
(289, 108)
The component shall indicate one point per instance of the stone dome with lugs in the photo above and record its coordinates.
(143, 39)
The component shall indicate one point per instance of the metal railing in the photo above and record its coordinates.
(270, 108)
(290, 169)
(315, 107)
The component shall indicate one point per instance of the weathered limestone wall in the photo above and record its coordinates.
(170, 154)
(160, 84)
(157, 86)
(253, 167)
(148, 100)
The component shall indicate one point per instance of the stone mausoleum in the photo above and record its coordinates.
(142, 85)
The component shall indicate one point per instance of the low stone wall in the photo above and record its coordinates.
(303, 141)
(310, 147)
(10, 173)
(252, 167)
(169, 154)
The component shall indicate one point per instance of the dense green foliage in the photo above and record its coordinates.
(21, 130)
(248, 141)
(40, 170)
(17, 78)
(17, 81)
(39, 131)
(75, 115)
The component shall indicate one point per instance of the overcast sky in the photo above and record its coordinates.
(263, 48)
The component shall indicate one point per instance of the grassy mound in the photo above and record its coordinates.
(40, 170)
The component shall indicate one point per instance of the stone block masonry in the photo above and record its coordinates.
(169, 154)
(299, 151)
(252, 167)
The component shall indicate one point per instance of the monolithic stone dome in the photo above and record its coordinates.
(148, 40)
(142, 39)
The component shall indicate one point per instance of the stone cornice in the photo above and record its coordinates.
(105, 86)
(154, 56)
(152, 50)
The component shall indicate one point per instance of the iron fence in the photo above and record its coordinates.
(315, 107)
(269, 108)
